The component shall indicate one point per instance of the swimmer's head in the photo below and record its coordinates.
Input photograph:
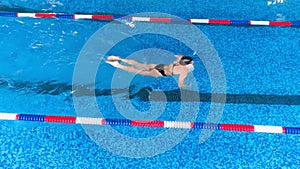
(185, 60)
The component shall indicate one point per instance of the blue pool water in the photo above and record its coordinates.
(261, 66)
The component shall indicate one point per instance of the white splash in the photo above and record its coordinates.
(75, 33)
(21, 22)
(130, 24)
(274, 2)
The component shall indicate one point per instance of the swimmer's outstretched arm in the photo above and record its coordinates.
(181, 79)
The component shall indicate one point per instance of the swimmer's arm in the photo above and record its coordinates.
(181, 79)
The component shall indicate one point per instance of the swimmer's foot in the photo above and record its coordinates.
(114, 63)
(113, 58)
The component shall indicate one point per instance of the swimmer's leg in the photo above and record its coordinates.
(132, 69)
(132, 62)
(138, 64)
(113, 58)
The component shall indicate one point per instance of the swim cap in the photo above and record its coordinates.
(185, 60)
(190, 67)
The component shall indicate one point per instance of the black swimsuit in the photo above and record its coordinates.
(161, 70)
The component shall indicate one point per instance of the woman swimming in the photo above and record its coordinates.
(182, 66)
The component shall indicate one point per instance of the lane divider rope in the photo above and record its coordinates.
(153, 19)
(149, 124)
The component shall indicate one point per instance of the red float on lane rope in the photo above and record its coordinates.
(45, 15)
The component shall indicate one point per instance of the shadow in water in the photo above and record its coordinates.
(146, 93)
(181, 95)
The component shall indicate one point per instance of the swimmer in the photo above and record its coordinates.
(182, 66)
